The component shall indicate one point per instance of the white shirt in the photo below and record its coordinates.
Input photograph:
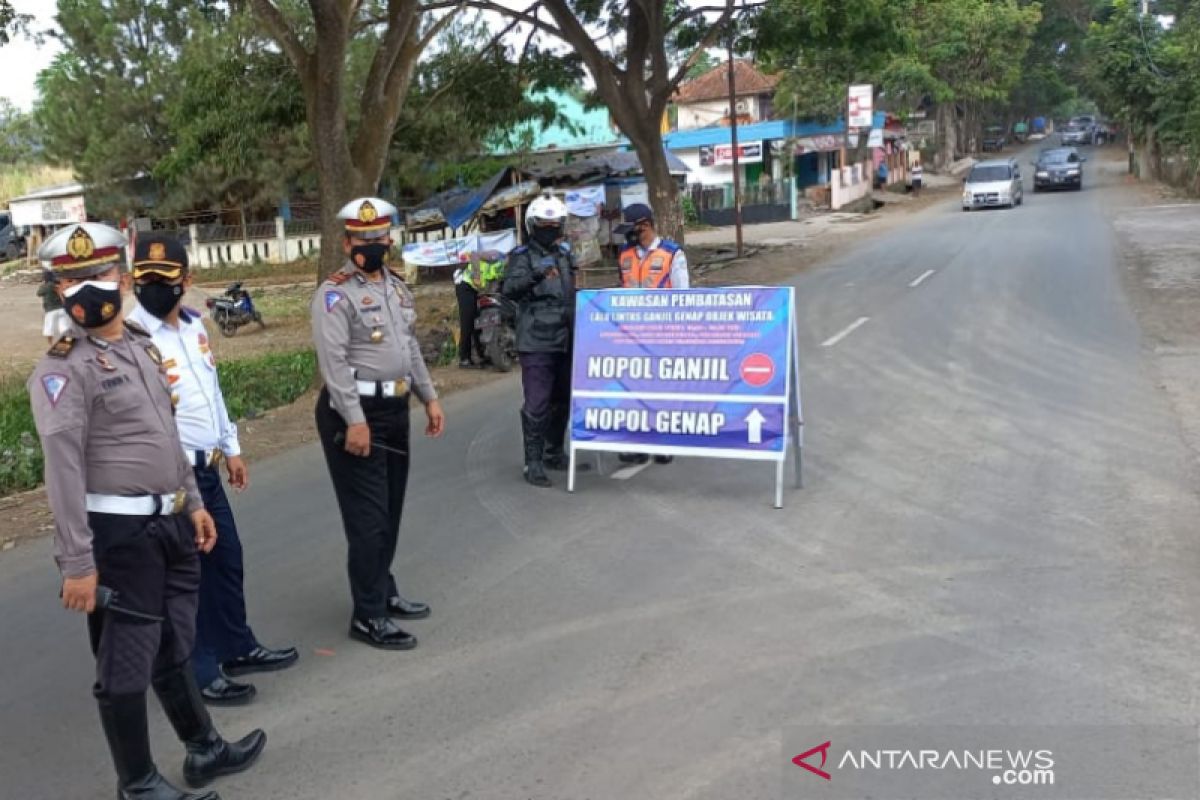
(200, 414)
(679, 268)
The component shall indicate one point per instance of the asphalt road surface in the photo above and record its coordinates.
(998, 527)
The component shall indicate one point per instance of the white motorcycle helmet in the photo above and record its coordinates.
(546, 209)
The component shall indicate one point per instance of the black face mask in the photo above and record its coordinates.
(158, 298)
(93, 303)
(633, 237)
(546, 235)
(369, 257)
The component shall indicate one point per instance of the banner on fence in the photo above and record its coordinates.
(701, 372)
(444, 252)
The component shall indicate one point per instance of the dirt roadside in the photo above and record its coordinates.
(24, 516)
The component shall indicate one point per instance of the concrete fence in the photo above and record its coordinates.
(849, 184)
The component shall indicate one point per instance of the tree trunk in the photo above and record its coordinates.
(663, 190)
(947, 135)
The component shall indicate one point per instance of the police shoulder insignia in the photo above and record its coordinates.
(133, 327)
(62, 348)
(332, 298)
(396, 275)
(53, 383)
(338, 278)
(154, 353)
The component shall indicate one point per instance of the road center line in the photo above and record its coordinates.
(849, 329)
(625, 473)
(921, 278)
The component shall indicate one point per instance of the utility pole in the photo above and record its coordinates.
(733, 136)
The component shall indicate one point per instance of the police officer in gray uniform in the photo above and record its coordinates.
(364, 326)
(127, 516)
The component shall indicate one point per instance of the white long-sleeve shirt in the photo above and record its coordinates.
(200, 413)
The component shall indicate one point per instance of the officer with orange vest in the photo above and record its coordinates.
(647, 261)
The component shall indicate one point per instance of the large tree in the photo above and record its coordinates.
(317, 37)
(651, 46)
(18, 136)
(10, 21)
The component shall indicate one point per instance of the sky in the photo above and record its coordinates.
(22, 60)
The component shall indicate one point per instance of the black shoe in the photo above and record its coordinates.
(222, 692)
(663, 459)
(407, 609)
(215, 757)
(261, 659)
(123, 718)
(534, 431)
(633, 458)
(560, 461)
(468, 364)
(382, 632)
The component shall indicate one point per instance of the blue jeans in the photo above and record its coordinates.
(222, 632)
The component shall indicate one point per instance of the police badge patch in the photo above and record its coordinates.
(331, 300)
(54, 383)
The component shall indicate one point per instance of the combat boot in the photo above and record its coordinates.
(208, 755)
(123, 718)
(534, 429)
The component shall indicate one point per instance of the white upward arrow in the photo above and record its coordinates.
(754, 430)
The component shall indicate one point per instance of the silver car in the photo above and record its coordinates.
(993, 183)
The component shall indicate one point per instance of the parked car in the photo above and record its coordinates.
(994, 138)
(1060, 167)
(993, 183)
(12, 239)
(1075, 134)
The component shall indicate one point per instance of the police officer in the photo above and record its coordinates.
(225, 645)
(127, 516)
(648, 261)
(540, 277)
(364, 326)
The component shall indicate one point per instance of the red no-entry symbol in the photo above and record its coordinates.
(758, 369)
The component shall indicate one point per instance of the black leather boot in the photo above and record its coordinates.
(123, 718)
(208, 755)
(534, 429)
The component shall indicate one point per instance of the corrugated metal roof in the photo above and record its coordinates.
(59, 190)
(772, 129)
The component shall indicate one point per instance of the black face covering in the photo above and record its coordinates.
(93, 303)
(633, 237)
(158, 298)
(369, 257)
(546, 235)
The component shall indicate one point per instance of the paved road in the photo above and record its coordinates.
(998, 526)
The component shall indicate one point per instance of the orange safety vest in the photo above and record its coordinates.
(651, 272)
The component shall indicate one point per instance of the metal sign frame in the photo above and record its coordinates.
(793, 418)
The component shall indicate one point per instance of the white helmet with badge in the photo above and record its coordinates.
(546, 210)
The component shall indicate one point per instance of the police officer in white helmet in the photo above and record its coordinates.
(540, 277)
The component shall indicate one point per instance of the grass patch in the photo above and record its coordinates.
(19, 179)
(251, 387)
(292, 272)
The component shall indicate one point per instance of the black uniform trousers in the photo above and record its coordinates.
(546, 381)
(222, 633)
(154, 566)
(370, 495)
(468, 312)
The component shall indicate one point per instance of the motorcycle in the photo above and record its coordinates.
(497, 326)
(233, 309)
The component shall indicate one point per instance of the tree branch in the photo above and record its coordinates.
(441, 25)
(528, 16)
(705, 42)
(282, 32)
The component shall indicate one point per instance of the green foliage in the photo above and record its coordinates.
(18, 136)
(11, 22)
(690, 215)
(254, 385)
(20, 453)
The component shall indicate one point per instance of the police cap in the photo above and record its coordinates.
(83, 249)
(633, 214)
(159, 254)
(367, 217)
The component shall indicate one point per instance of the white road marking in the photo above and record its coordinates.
(851, 328)
(921, 279)
(625, 473)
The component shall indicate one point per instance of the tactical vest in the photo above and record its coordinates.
(651, 272)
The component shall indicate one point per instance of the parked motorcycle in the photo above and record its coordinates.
(233, 309)
(497, 326)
